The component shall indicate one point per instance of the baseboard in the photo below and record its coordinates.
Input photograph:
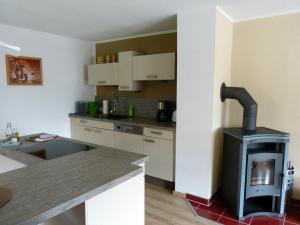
(179, 194)
(199, 200)
(203, 201)
(159, 182)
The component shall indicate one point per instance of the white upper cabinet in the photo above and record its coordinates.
(126, 82)
(103, 74)
(154, 67)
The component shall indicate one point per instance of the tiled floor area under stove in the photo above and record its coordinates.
(217, 212)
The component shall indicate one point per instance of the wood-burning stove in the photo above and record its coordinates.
(254, 163)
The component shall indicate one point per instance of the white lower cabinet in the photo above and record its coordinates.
(82, 133)
(129, 142)
(93, 135)
(161, 158)
(103, 137)
(156, 143)
(101, 209)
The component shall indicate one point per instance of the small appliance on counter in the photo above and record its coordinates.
(163, 113)
(81, 108)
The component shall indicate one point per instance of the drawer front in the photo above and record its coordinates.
(93, 123)
(165, 134)
(161, 158)
(129, 142)
(103, 137)
(82, 133)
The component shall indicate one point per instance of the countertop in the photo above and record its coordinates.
(144, 122)
(46, 188)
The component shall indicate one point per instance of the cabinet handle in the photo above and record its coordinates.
(87, 129)
(124, 87)
(151, 76)
(149, 140)
(156, 132)
(101, 82)
(98, 131)
(83, 121)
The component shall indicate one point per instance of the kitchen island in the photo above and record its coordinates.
(95, 182)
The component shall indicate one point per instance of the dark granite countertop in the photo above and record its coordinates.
(144, 122)
(46, 188)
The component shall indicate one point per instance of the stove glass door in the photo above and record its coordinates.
(263, 172)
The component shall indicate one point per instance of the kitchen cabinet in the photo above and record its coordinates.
(103, 137)
(82, 133)
(161, 158)
(157, 133)
(129, 142)
(101, 209)
(154, 67)
(93, 132)
(103, 74)
(126, 82)
(159, 146)
(93, 123)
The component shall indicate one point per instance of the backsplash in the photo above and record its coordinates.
(143, 107)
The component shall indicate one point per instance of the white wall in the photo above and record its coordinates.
(195, 70)
(265, 60)
(45, 108)
(223, 53)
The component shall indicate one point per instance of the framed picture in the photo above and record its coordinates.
(24, 70)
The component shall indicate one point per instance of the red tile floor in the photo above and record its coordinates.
(217, 212)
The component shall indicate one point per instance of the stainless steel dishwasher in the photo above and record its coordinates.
(129, 138)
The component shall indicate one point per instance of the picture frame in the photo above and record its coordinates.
(24, 70)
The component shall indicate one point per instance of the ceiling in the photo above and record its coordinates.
(97, 20)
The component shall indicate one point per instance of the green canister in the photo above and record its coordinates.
(131, 111)
(92, 108)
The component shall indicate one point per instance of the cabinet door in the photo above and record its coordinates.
(103, 74)
(82, 133)
(126, 82)
(103, 137)
(129, 142)
(101, 209)
(154, 67)
(161, 160)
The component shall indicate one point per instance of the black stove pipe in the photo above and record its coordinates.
(246, 100)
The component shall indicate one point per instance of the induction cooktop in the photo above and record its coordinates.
(55, 149)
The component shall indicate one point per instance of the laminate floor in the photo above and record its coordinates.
(163, 208)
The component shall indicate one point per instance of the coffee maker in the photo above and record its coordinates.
(163, 112)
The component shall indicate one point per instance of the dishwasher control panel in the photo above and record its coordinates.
(128, 129)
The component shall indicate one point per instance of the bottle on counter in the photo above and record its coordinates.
(9, 132)
(131, 111)
(16, 133)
